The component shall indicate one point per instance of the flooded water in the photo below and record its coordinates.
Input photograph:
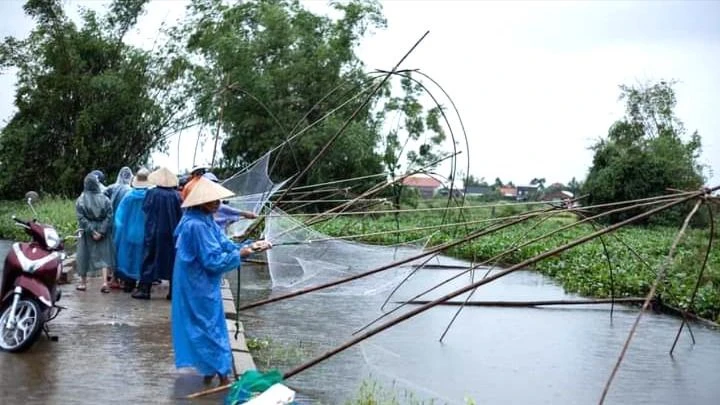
(550, 355)
(111, 349)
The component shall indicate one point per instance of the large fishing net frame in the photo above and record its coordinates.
(303, 260)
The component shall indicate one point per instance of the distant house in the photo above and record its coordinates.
(477, 191)
(525, 193)
(426, 185)
(558, 195)
(508, 192)
(446, 191)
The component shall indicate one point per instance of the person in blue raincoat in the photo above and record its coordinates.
(162, 214)
(129, 232)
(115, 192)
(203, 254)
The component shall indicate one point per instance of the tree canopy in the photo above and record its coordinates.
(645, 153)
(271, 75)
(84, 99)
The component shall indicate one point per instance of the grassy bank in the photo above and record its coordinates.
(55, 211)
(583, 269)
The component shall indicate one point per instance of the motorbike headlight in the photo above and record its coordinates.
(52, 239)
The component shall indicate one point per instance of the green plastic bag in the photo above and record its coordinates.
(250, 384)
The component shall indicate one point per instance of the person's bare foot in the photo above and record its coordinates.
(224, 380)
(207, 380)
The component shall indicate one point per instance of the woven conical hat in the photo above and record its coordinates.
(204, 191)
(163, 177)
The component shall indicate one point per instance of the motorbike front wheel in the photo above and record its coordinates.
(28, 324)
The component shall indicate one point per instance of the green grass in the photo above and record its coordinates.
(54, 211)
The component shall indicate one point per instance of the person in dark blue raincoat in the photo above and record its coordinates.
(199, 332)
(162, 214)
(129, 232)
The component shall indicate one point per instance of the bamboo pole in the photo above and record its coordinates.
(347, 122)
(630, 300)
(699, 280)
(472, 286)
(473, 235)
(650, 295)
(506, 252)
(209, 391)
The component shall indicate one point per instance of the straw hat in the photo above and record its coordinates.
(205, 191)
(163, 177)
(141, 179)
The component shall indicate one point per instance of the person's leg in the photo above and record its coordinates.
(105, 288)
(147, 274)
(83, 284)
(224, 380)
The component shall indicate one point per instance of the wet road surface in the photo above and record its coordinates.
(110, 349)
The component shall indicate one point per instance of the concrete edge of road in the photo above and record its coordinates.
(242, 359)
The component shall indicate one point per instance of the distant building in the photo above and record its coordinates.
(558, 195)
(508, 192)
(426, 185)
(525, 193)
(477, 191)
(446, 191)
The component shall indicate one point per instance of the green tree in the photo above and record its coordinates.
(574, 186)
(644, 153)
(539, 182)
(84, 99)
(471, 180)
(267, 73)
(261, 71)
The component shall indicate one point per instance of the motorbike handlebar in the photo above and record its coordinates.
(21, 222)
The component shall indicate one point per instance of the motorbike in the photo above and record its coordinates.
(29, 288)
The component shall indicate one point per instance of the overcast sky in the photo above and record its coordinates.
(536, 82)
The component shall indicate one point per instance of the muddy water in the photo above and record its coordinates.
(551, 355)
(111, 349)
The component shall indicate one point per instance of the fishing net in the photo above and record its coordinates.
(253, 188)
(302, 257)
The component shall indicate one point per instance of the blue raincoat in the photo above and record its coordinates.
(162, 213)
(199, 332)
(129, 234)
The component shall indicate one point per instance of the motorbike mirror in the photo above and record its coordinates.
(31, 196)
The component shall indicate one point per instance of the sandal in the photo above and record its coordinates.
(81, 287)
(105, 289)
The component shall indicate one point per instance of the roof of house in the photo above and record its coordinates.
(421, 180)
(508, 191)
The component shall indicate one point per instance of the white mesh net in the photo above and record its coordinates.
(253, 188)
(302, 257)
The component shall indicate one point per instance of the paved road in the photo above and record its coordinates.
(111, 349)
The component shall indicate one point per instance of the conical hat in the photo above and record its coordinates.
(163, 177)
(204, 191)
(141, 179)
